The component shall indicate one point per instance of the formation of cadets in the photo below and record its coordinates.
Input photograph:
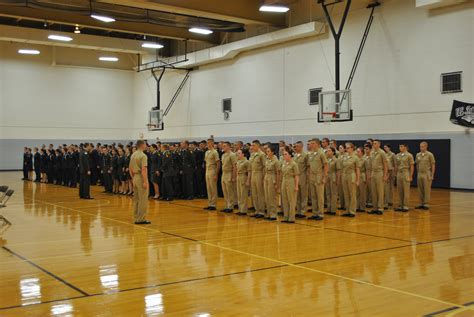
(254, 179)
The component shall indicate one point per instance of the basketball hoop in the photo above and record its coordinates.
(151, 127)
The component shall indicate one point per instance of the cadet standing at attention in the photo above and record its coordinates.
(425, 167)
(391, 176)
(289, 186)
(139, 173)
(368, 172)
(404, 168)
(85, 172)
(318, 171)
(301, 158)
(243, 184)
(332, 182)
(212, 170)
(257, 164)
(378, 177)
(229, 173)
(350, 180)
(188, 165)
(340, 191)
(271, 184)
(362, 187)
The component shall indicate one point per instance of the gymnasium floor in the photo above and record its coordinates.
(68, 257)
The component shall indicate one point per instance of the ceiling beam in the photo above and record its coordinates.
(239, 11)
(127, 27)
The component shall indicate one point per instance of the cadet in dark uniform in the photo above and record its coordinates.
(37, 165)
(75, 162)
(154, 171)
(51, 166)
(201, 171)
(44, 165)
(85, 172)
(115, 171)
(59, 167)
(188, 165)
(121, 171)
(169, 174)
(29, 165)
(128, 185)
(106, 169)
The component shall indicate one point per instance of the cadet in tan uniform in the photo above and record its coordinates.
(391, 176)
(378, 177)
(340, 192)
(318, 171)
(301, 158)
(331, 182)
(405, 166)
(257, 164)
(362, 188)
(243, 182)
(229, 174)
(212, 171)
(138, 170)
(425, 167)
(289, 187)
(350, 180)
(271, 183)
(368, 172)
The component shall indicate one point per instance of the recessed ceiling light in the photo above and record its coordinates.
(200, 31)
(274, 8)
(152, 45)
(29, 52)
(60, 38)
(77, 30)
(102, 18)
(108, 59)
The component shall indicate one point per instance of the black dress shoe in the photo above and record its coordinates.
(271, 219)
(258, 216)
(360, 210)
(145, 222)
(331, 213)
(300, 216)
(284, 221)
(419, 207)
(375, 212)
(288, 221)
(425, 208)
(211, 208)
(229, 211)
(348, 214)
(252, 208)
(241, 214)
(88, 197)
(315, 217)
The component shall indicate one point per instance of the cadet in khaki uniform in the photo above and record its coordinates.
(340, 191)
(301, 158)
(391, 176)
(331, 184)
(257, 164)
(362, 188)
(405, 166)
(212, 170)
(138, 170)
(229, 173)
(350, 180)
(425, 167)
(318, 171)
(289, 187)
(368, 172)
(378, 177)
(243, 184)
(271, 183)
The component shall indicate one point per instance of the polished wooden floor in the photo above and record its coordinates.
(68, 257)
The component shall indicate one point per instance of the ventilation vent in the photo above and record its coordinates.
(313, 96)
(451, 82)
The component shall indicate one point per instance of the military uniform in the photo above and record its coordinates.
(404, 162)
(211, 158)
(378, 159)
(424, 163)
(227, 181)
(391, 178)
(170, 171)
(332, 185)
(340, 191)
(37, 165)
(188, 165)
(302, 161)
(364, 166)
(317, 160)
(84, 175)
(272, 169)
(138, 162)
(243, 169)
(289, 171)
(106, 167)
(368, 172)
(257, 164)
(350, 165)
(200, 187)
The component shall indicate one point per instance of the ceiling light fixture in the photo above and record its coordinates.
(28, 52)
(77, 30)
(108, 59)
(102, 18)
(60, 38)
(200, 30)
(152, 45)
(274, 8)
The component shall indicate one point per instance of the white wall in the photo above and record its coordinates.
(396, 89)
(41, 101)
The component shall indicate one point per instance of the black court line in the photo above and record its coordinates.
(447, 310)
(45, 271)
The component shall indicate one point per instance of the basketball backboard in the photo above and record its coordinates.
(335, 106)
